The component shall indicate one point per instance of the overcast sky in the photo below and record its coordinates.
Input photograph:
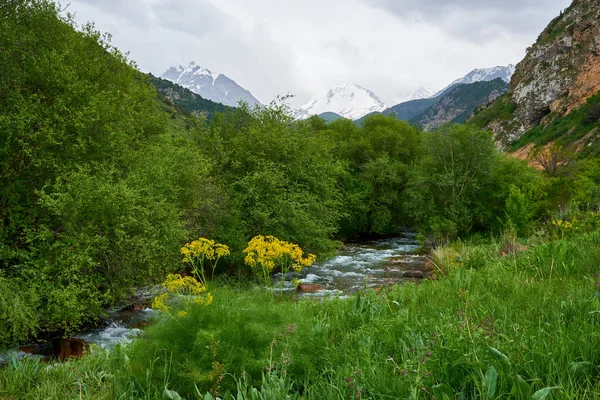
(306, 47)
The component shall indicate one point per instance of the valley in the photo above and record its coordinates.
(174, 237)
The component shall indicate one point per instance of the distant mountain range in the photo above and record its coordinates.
(349, 101)
(210, 85)
(175, 98)
(482, 75)
(355, 102)
(421, 93)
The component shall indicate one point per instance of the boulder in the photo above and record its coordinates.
(309, 288)
(414, 274)
(65, 348)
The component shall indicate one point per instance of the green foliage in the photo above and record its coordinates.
(568, 130)
(377, 157)
(500, 110)
(461, 182)
(281, 178)
(95, 196)
(523, 326)
(519, 210)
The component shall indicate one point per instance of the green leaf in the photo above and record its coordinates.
(521, 388)
(491, 377)
(579, 368)
(208, 396)
(443, 392)
(197, 391)
(171, 395)
(544, 393)
(502, 359)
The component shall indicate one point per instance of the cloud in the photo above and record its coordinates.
(305, 47)
(477, 20)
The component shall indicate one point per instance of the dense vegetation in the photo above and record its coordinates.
(490, 327)
(102, 183)
(501, 110)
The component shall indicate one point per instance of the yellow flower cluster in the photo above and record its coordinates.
(264, 253)
(183, 287)
(200, 251)
(160, 302)
(268, 252)
(204, 248)
(566, 225)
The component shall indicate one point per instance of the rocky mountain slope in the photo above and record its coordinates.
(184, 100)
(560, 72)
(409, 110)
(348, 101)
(458, 103)
(210, 85)
(482, 75)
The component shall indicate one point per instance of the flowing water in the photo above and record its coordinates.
(360, 265)
(357, 266)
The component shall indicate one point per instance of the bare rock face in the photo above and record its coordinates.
(460, 102)
(558, 74)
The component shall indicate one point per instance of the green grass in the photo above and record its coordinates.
(540, 310)
(502, 109)
(568, 129)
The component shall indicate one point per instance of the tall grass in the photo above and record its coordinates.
(493, 327)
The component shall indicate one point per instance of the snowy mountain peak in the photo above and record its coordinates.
(210, 85)
(348, 100)
(483, 74)
(421, 93)
(194, 69)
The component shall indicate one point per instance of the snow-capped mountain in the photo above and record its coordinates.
(421, 93)
(349, 101)
(210, 85)
(481, 75)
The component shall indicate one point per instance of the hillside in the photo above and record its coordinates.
(560, 72)
(184, 100)
(210, 85)
(330, 116)
(459, 103)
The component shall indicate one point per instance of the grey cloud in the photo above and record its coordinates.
(193, 17)
(345, 48)
(135, 10)
(476, 20)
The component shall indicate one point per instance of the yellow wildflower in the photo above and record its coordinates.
(265, 253)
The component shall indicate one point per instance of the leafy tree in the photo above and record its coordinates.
(280, 177)
(451, 182)
(96, 195)
(377, 157)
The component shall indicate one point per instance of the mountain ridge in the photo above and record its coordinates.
(559, 74)
(349, 101)
(210, 85)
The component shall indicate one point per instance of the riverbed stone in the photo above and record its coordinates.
(65, 348)
(310, 288)
(414, 274)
